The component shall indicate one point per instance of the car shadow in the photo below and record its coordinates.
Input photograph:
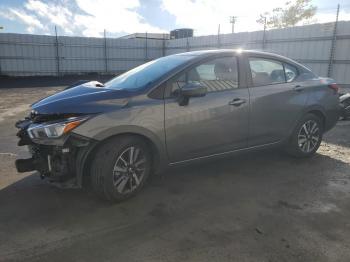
(31, 195)
(31, 207)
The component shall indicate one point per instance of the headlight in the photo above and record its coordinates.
(54, 130)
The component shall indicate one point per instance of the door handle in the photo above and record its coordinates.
(237, 102)
(298, 88)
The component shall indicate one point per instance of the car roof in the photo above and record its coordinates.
(207, 53)
(218, 51)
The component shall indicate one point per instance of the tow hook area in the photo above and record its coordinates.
(25, 165)
(28, 165)
(36, 163)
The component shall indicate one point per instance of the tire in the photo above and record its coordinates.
(112, 172)
(308, 129)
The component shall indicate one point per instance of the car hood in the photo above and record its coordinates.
(83, 99)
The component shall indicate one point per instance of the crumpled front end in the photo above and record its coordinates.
(61, 159)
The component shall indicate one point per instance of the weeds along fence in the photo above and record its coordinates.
(325, 48)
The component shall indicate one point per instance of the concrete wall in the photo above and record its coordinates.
(37, 55)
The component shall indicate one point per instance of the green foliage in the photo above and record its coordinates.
(292, 13)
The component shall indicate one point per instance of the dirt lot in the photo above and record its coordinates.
(255, 207)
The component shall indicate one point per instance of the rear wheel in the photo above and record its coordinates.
(120, 168)
(306, 137)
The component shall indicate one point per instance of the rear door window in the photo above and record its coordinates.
(266, 71)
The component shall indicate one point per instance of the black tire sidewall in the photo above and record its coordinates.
(105, 160)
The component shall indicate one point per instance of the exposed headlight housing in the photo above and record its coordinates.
(54, 130)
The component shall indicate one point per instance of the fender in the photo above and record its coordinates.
(132, 129)
(318, 108)
(84, 153)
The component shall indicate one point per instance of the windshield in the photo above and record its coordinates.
(149, 72)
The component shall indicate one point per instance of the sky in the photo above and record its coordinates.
(122, 17)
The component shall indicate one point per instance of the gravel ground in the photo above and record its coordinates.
(254, 207)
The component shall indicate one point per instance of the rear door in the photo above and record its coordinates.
(277, 99)
(213, 124)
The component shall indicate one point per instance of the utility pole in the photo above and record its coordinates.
(233, 20)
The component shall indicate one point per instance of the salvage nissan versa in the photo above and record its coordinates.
(176, 109)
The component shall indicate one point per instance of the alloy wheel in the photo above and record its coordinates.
(309, 136)
(129, 170)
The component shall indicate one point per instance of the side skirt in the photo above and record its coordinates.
(274, 144)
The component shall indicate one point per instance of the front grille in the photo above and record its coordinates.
(40, 118)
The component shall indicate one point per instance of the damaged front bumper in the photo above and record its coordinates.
(62, 161)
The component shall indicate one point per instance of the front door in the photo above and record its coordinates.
(213, 124)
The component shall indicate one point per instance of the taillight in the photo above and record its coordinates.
(334, 87)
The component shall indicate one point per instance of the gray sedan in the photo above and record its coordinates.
(176, 109)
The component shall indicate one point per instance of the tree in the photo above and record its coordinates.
(292, 13)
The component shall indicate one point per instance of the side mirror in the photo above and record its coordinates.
(190, 90)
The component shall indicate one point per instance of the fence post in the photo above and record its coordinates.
(264, 34)
(0, 66)
(57, 53)
(146, 49)
(105, 51)
(219, 43)
(163, 45)
(0, 58)
(187, 44)
(334, 41)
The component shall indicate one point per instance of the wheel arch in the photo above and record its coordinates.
(158, 152)
(292, 144)
(319, 114)
(316, 110)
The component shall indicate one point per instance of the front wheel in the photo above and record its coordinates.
(120, 168)
(306, 137)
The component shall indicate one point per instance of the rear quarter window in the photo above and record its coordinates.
(291, 72)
